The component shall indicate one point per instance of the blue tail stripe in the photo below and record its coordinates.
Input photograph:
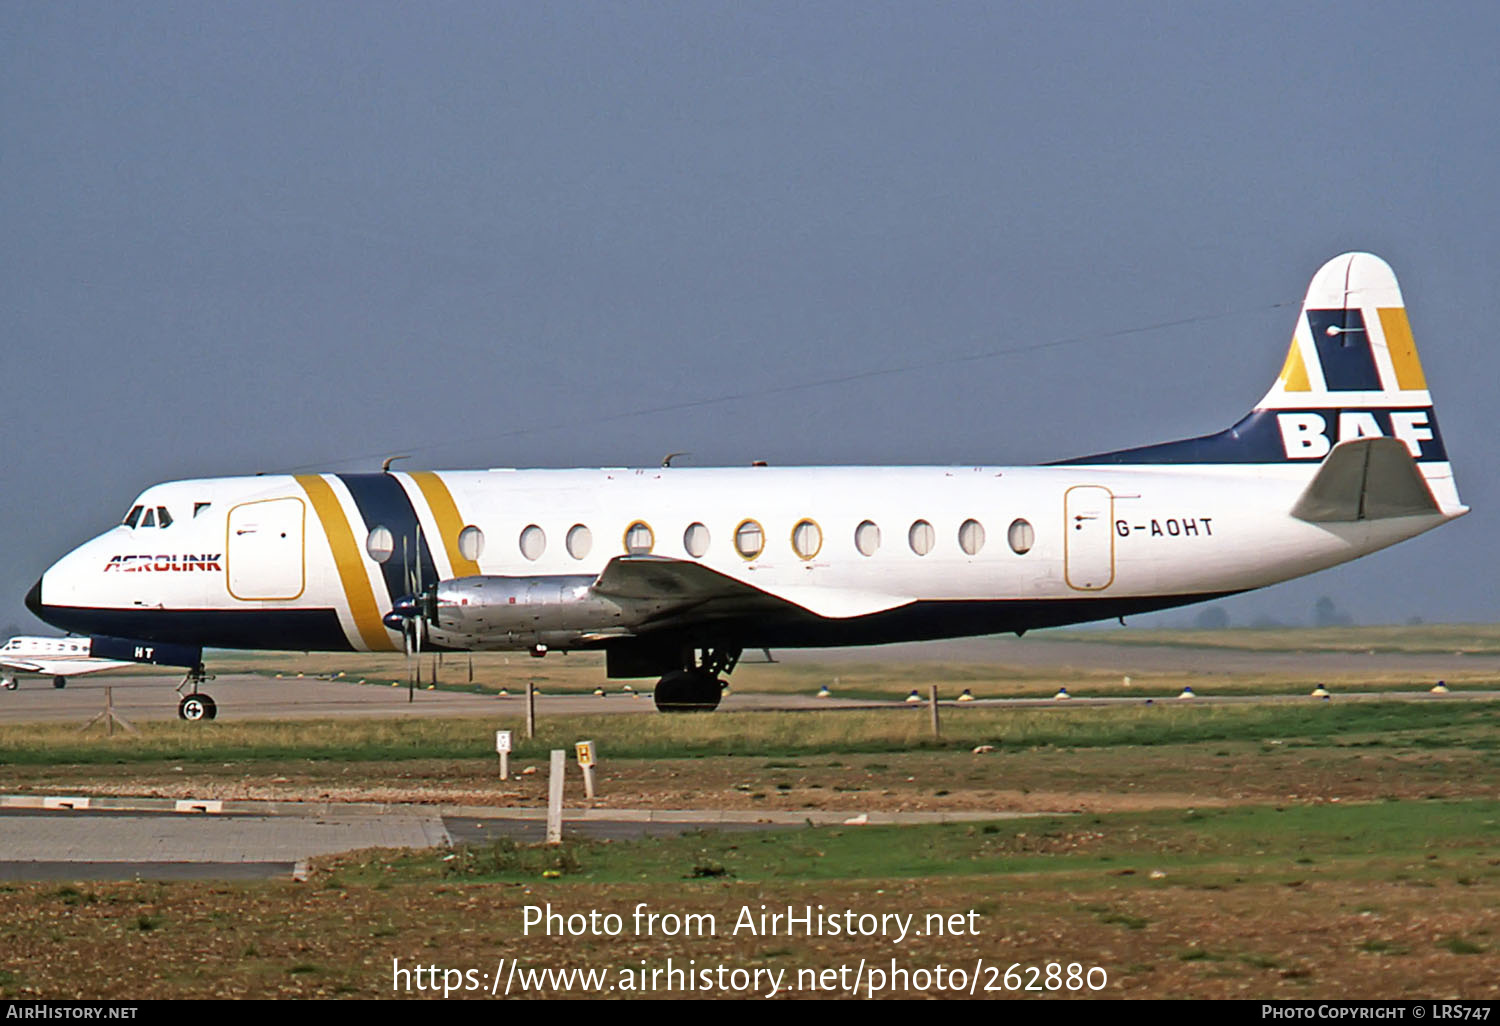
(1348, 363)
(1261, 438)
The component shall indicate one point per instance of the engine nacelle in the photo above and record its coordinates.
(522, 607)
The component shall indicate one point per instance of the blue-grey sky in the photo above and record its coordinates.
(257, 236)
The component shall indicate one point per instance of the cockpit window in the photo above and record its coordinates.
(199, 507)
(132, 516)
(149, 520)
(163, 518)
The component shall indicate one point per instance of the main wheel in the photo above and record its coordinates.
(8, 683)
(59, 682)
(196, 707)
(688, 691)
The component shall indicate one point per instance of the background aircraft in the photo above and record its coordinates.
(58, 658)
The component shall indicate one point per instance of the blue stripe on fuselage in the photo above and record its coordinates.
(383, 502)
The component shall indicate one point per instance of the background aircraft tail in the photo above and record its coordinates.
(1351, 372)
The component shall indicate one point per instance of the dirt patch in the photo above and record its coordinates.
(1027, 780)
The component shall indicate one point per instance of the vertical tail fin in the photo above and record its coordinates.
(1353, 345)
(1352, 371)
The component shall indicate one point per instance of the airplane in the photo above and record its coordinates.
(673, 572)
(58, 658)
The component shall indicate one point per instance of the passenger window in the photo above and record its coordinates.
(149, 520)
(807, 539)
(133, 516)
(867, 538)
(580, 541)
(380, 543)
(1021, 537)
(471, 543)
(749, 539)
(971, 537)
(163, 518)
(639, 539)
(695, 540)
(921, 537)
(533, 542)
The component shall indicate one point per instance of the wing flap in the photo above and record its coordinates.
(1366, 479)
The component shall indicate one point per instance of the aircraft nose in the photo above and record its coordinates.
(34, 599)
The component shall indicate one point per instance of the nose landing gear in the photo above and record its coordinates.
(195, 705)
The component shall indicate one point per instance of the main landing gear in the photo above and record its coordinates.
(697, 688)
(195, 705)
(59, 682)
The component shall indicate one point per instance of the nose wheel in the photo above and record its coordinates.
(195, 707)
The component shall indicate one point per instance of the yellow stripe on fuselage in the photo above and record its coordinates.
(445, 512)
(352, 574)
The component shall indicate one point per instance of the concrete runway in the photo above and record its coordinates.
(253, 697)
(128, 839)
(121, 845)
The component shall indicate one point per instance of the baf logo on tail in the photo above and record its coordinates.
(1353, 360)
(1351, 372)
(1306, 436)
(1353, 352)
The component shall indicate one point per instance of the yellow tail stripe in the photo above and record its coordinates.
(1403, 349)
(1294, 374)
(346, 557)
(445, 512)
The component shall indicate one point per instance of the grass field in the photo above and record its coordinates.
(719, 734)
(1466, 638)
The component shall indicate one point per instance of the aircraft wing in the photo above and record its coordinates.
(21, 666)
(60, 667)
(685, 586)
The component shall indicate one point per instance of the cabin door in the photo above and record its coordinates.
(1089, 538)
(263, 553)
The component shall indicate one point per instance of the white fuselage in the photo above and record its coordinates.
(286, 561)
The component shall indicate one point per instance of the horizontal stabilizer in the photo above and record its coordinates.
(1366, 479)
